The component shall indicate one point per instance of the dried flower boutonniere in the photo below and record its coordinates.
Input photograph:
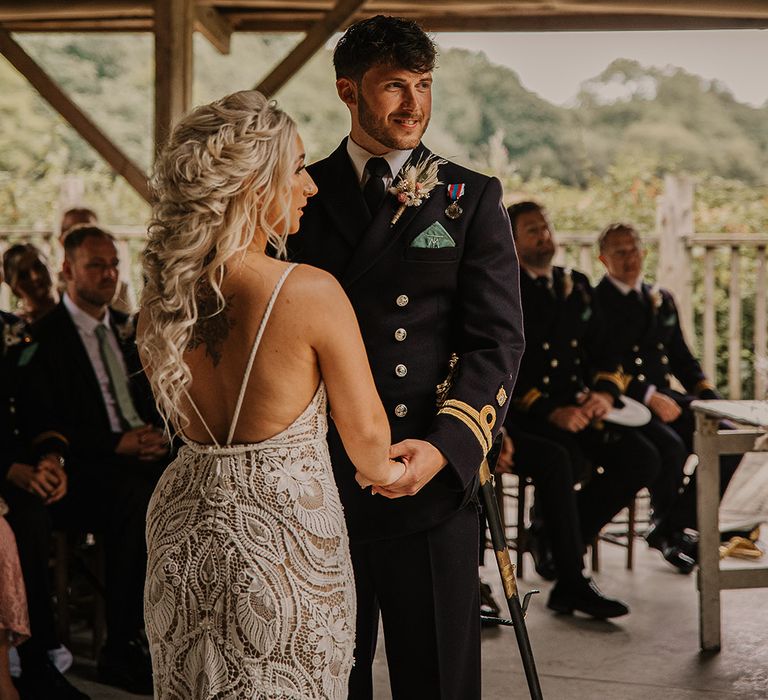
(14, 334)
(415, 184)
(657, 298)
(125, 330)
(567, 282)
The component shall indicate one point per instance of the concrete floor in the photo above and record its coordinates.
(652, 654)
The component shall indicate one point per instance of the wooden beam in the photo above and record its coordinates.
(174, 22)
(214, 27)
(132, 24)
(315, 38)
(73, 9)
(53, 94)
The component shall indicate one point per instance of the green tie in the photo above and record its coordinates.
(118, 381)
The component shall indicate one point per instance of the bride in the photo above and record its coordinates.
(249, 590)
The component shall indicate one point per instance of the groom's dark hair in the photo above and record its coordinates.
(380, 40)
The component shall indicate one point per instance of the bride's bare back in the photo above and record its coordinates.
(285, 371)
(311, 334)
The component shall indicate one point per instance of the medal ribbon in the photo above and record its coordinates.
(455, 191)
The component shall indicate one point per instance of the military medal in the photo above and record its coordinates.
(454, 211)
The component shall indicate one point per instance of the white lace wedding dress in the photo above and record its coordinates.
(249, 590)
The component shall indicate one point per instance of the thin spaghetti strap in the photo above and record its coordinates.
(202, 420)
(256, 344)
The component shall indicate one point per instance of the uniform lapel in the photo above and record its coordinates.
(342, 196)
(380, 235)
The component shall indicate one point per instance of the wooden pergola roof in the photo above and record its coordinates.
(435, 15)
(173, 23)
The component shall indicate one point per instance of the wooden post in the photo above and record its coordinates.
(174, 24)
(734, 326)
(710, 327)
(761, 330)
(674, 222)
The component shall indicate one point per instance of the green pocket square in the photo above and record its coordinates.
(434, 236)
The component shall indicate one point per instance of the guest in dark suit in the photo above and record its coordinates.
(647, 336)
(30, 467)
(84, 380)
(435, 291)
(568, 382)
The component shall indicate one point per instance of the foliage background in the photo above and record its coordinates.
(602, 159)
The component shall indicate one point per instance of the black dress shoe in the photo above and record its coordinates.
(46, 683)
(676, 548)
(489, 608)
(538, 545)
(584, 596)
(126, 665)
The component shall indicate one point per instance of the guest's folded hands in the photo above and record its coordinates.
(146, 442)
(53, 466)
(44, 481)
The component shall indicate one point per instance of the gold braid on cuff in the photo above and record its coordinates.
(479, 422)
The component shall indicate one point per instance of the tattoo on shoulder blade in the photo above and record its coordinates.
(212, 327)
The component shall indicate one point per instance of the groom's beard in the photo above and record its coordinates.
(379, 129)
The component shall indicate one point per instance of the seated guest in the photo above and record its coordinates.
(76, 216)
(27, 274)
(558, 554)
(30, 468)
(647, 336)
(124, 299)
(566, 385)
(85, 352)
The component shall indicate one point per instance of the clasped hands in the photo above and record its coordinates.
(47, 479)
(147, 443)
(421, 461)
(592, 406)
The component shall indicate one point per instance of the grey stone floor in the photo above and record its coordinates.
(650, 654)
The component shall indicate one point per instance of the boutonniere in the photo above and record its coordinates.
(415, 184)
(125, 330)
(567, 282)
(14, 334)
(656, 297)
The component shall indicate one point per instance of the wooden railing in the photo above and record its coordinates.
(727, 293)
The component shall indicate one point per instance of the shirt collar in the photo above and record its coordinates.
(84, 322)
(359, 157)
(625, 288)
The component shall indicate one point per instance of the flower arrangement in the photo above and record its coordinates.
(415, 184)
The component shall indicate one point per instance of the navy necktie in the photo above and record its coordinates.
(374, 190)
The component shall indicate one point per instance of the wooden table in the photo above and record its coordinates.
(709, 443)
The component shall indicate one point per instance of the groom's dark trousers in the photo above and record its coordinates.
(420, 299)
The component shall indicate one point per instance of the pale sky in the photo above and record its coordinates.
(553, 64)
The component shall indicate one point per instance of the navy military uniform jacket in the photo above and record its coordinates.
(418, 306)
(21, 439)
(566, 352)
(647, 336)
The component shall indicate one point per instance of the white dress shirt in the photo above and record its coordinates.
(359, 157)
(86, 328)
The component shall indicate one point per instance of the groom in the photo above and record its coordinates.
(436, 296)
